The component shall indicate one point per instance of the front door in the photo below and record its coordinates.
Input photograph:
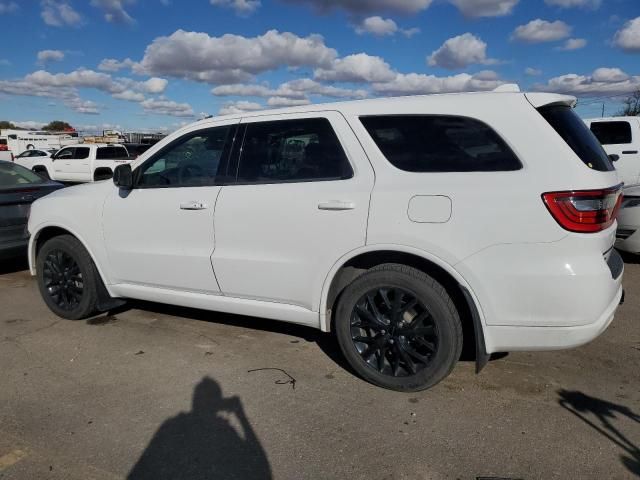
(160, 233)
(300, 203)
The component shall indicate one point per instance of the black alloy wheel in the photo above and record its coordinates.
(393, 331)
(63, 280)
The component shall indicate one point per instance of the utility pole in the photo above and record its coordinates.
(602, 109)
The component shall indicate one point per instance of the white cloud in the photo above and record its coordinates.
(628, 38)
(154, 85)
(377, 25)
(538, 31)
(113, 65)
(418, 84)
(231, 58)
(114, 11)
(573, 44)
(8, 7)
(460, 52)
(603, 81)
(241, 7)
(410, 32)
(59, 13)
(235, 108)
(162, 106)
(295, 90)
(364, 7)
(359, 67)
(485, 8)
(129, 96)
(287, 102)
(574, 3)
(532, 72)
(45, 56)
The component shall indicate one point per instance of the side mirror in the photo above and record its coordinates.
(123, 176)
(614, 158)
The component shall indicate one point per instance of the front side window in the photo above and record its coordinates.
(302, 150)
(612, 133)
(440, 143)
(64, 153)
(192, 160)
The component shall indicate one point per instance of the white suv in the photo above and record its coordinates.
(407, 226)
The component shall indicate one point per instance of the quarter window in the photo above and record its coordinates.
(192, 160)
(439, 143)
(303, 150)
(612, 133)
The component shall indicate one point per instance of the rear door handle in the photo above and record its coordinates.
(630, 152)
(193, 205)
(336, 205)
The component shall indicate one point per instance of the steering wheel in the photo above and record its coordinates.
(188, 171)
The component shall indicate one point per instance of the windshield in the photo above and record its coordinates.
(578, 136)
(12, 175)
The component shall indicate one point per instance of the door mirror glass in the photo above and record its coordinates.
(123, 176)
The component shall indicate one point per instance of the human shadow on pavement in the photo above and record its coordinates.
(582, 405)
(203, 443)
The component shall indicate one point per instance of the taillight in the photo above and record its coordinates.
(584, 211)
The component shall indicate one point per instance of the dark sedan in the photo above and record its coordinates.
(19, 188)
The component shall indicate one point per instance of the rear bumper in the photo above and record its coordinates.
(510, 339)
(546, 296)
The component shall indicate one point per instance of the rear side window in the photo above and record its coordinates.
(81, 153)
(106, 153)
(440, 143)
(574, 131)
(292, 151)
(612, 133)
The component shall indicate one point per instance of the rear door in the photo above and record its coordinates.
(300, 203)
(620, 137)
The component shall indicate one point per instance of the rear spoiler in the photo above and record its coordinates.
(546, 99)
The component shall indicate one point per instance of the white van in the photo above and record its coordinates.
(620, 137)
(403, 225)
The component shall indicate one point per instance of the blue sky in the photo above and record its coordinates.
(156, 64)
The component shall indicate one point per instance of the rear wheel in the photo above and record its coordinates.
(398, 328)
(67, 278)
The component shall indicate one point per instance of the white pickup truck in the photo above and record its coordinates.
(79, 163)
(620, 137)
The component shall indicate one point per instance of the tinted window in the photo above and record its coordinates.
(438, 143)
(81, 153)
(192, 160)
(612, 133)
(574, 131)
(105, 153)
(65, 153)
(12, 175)
(292, 151)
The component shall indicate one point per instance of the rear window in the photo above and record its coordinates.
(612, 133)
(106, 153)
(439, 143)
(574, 131)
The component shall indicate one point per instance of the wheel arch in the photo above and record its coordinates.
(349, 267)
(47, 231)
(102, 173)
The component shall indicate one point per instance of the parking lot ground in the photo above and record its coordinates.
(159, 392)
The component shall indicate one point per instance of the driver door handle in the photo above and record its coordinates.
(193, 205)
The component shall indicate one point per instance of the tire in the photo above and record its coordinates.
(377, 343)
(42, 172)
(67, 278)
(30, 147)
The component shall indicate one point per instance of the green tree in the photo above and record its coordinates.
(4, 124)
(632, 105)
(57, 126)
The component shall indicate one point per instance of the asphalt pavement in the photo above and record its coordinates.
(158, 392)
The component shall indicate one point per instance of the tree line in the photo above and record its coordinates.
(54, 126)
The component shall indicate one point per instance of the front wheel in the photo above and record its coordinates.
(67, 278)
(398, 328)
